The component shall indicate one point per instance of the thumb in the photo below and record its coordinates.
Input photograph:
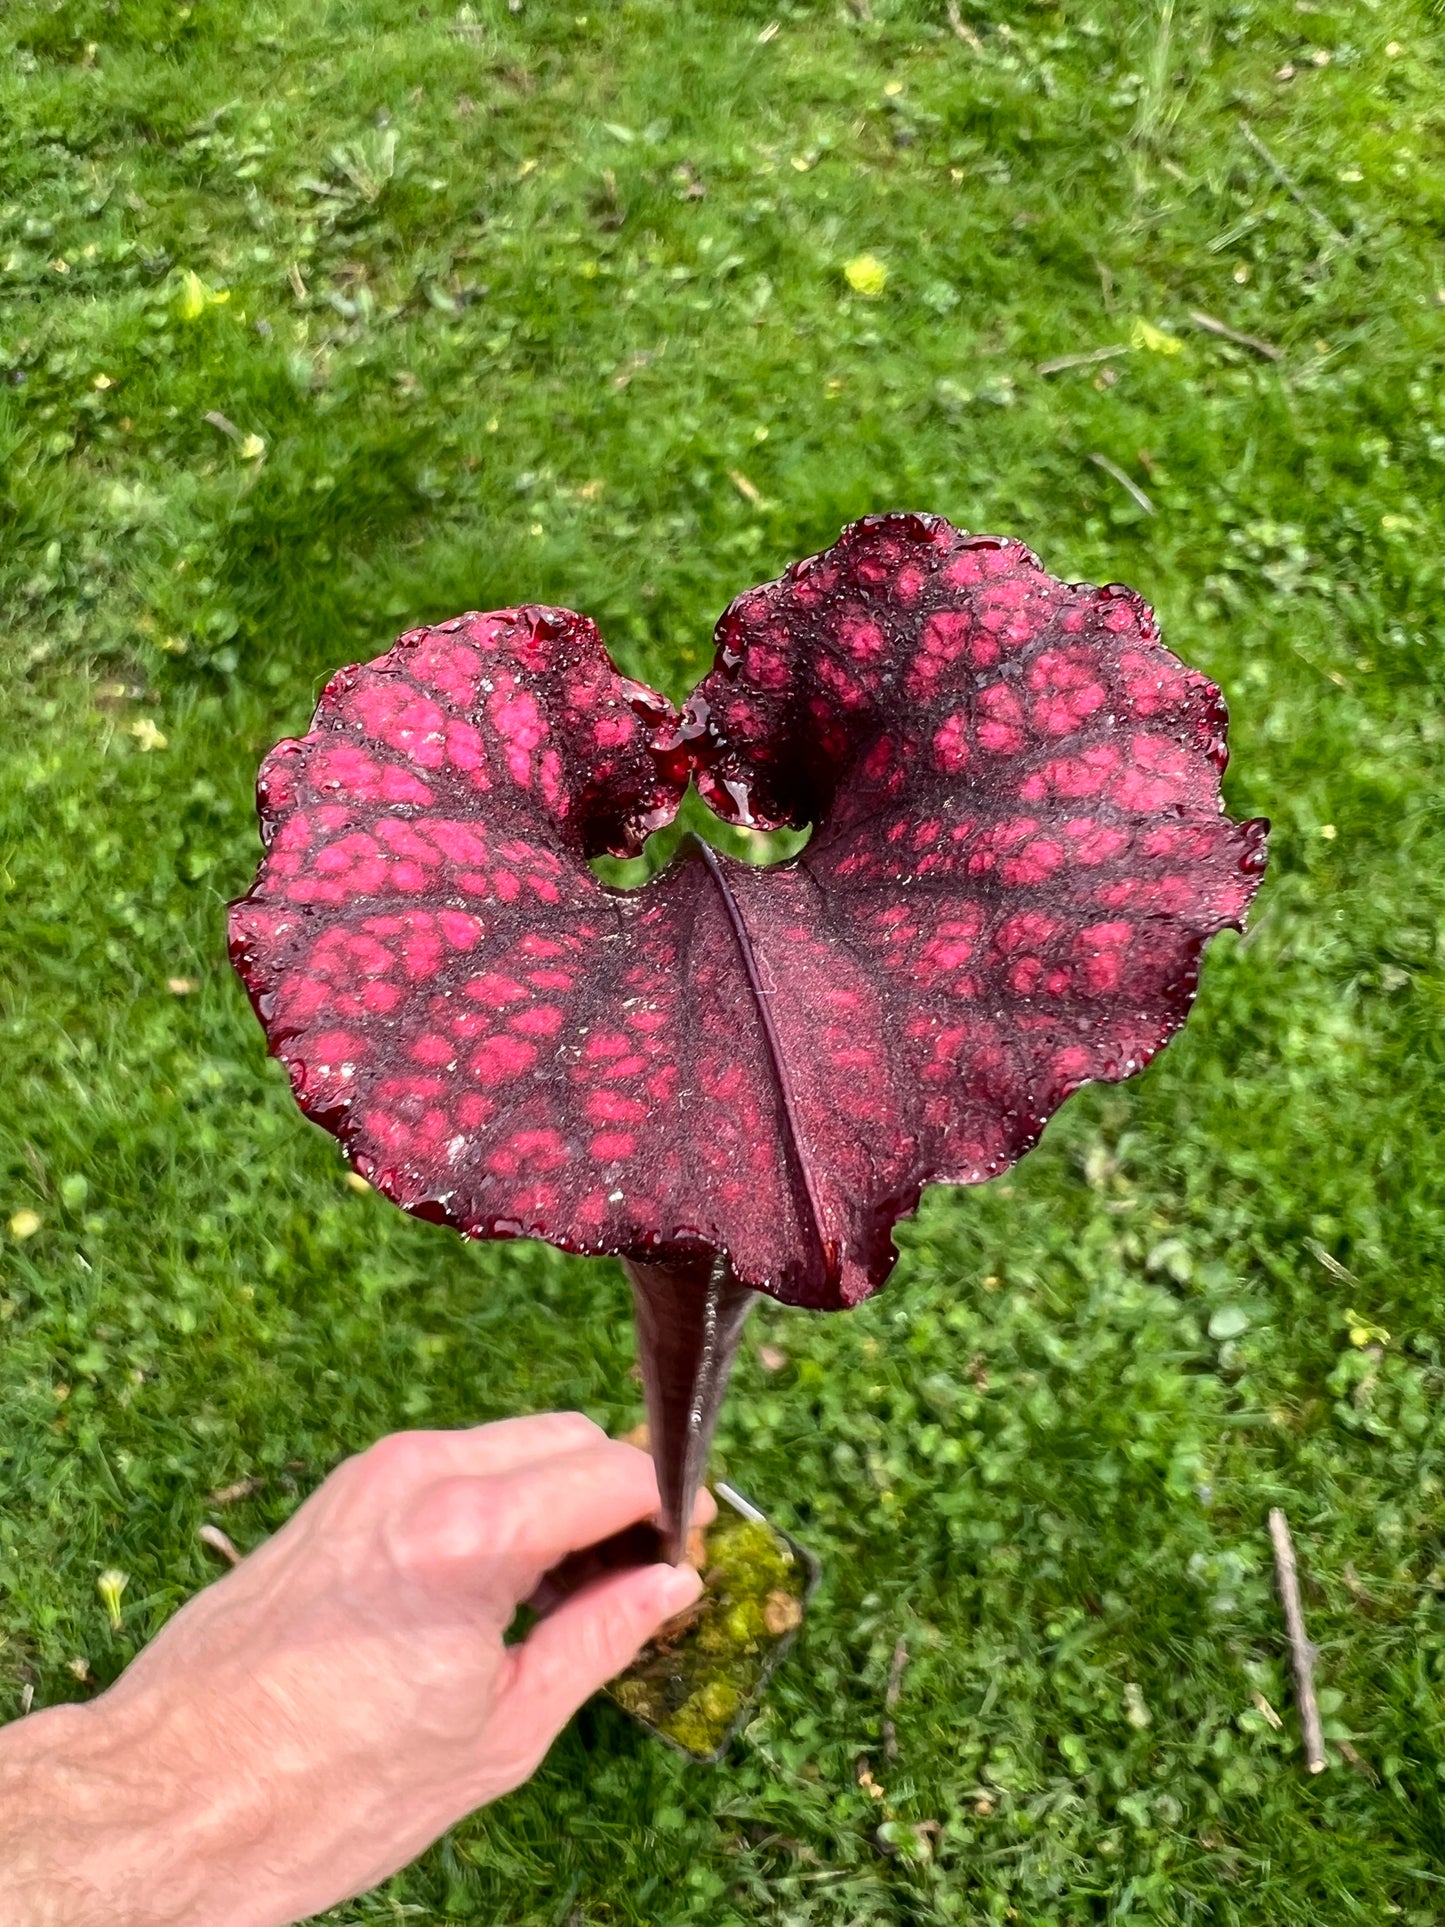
(586, 1642)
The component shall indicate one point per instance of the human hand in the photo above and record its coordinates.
(311, 1722)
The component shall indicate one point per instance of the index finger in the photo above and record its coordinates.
(421, 1457)
(531, 1516)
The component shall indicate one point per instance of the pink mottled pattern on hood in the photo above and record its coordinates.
(1018, 856)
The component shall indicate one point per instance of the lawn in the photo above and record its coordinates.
(319, 318)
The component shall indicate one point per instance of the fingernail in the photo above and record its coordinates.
(677, 1587)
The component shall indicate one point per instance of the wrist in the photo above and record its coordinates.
(94, 1832)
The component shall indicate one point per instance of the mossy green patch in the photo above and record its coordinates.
(692, 1685)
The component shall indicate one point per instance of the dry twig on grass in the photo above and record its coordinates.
(961, 29)
(1301, 1651)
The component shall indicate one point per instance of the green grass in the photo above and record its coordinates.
(513, 301)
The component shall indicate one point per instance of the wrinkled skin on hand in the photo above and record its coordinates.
(308, 1724)
(1018, 856)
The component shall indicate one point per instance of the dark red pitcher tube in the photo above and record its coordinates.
(689, 1324)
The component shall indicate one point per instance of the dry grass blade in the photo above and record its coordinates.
(1125, 481)
(1361, 1765)
(890, 1699)
(1331, 1264)
(1266, 1711)
(1292, 186)
(1212, 325)
(233, 1494)
(219, 1541)
(1085, 360)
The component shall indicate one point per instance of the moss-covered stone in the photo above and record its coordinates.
(694, 1681)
